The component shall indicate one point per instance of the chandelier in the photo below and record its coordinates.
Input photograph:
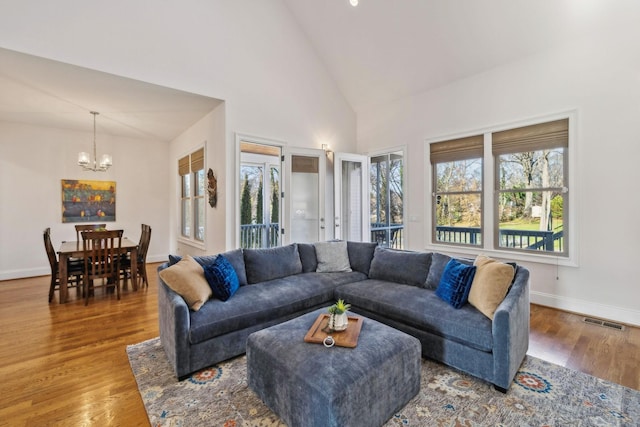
(84, 161)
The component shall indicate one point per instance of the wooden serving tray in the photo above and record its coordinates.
(346, 338)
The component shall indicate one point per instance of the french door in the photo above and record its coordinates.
(351, 197)
(305, 192)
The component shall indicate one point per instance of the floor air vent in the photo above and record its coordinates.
(604, 323)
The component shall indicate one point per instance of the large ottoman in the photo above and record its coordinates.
(309, 385)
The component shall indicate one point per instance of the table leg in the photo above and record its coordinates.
(64, 276)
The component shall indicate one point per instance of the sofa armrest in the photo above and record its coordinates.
(511, 330)
(175, 323)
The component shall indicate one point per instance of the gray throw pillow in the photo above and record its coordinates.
(332, 257)
(360, 255)
(406, 267)
(307, 257)
(262, 265)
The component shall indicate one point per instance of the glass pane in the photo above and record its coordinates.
(461, 175)
(459, 218)
(200, 182)
(186, 185)
(386, 200)
(199, 216)
(533, 169)
(532, 220)
(305, 221)
(273, 232)
(186, 217)
(351, 202)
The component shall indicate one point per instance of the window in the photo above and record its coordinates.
(386, 199)
(532, 187)
(457, 196)
(192, 195)
(530, 198)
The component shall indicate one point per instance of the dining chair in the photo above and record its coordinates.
(74, 268)
(143, 247)
(102, 250)
(88, 227)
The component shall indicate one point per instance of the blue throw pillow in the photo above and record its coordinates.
(455, 283)
(222, 278)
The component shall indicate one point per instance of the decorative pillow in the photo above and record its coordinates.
(490, 285)
(222, 278)
(438, 263)
(406, 267)
(267, 264)
(307, 257)
(333, 257)
(186, 278)
(361, 255)
(455, 283)
(234, 257)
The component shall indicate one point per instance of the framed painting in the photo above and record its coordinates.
(88, 201)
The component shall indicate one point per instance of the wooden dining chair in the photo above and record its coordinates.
(143, 247)
(75, 269)
(88, 227)
(102, 253)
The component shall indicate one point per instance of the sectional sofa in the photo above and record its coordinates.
(403, 289)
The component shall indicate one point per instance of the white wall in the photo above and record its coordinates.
(600, 79)
(251, 54)
(34, 160)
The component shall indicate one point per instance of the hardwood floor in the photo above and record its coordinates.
(67, 365)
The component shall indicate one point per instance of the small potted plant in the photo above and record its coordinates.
(338, 316)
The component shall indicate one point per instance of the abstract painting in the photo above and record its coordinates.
(87, 201)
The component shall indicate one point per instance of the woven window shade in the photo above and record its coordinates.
(183, 166)
(542, 136)
(197, 160)
(471, 147)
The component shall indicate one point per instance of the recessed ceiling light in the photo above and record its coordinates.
(354, 3)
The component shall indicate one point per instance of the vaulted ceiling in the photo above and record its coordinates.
(377, 52)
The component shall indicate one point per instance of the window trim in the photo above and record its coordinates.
(489, 215)
(195, 158)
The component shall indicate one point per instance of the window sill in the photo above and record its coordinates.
(472, 252)
(193, 243)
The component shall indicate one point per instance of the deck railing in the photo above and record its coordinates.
(520, 239)
(255, 236)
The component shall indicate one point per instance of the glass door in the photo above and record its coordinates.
(350, 193)
(305, 192)
(260, 186)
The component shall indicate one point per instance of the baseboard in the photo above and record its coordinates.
(602, 311)
(24, 273)
(45, 271)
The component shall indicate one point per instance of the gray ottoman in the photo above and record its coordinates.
(310, 385)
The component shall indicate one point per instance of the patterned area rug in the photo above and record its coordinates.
(543, 394)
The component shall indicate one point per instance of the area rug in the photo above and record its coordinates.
(542, 394)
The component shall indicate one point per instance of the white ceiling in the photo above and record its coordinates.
(377, 52)
(383, 50)
(42, 92)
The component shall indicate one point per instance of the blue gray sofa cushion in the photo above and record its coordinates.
(406, 267)
(308, 257)
(262, 265)
(422, 310)
(360, 255)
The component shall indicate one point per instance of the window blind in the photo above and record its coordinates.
(197, 160)
(183, 166)
(471, 147)
(542, 136)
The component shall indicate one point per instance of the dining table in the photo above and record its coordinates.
(74, 249)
